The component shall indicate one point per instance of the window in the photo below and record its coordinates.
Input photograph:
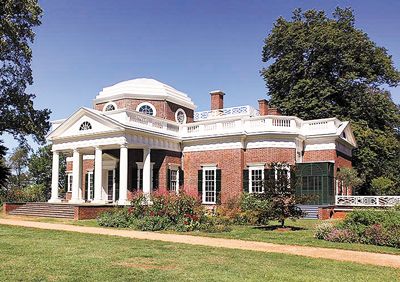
(69, 182)
(146, 108)
(89, 184)
(85, 126)
(180, 116)
(110, 107)
(173, 180)
(256, 179)
(209, 185)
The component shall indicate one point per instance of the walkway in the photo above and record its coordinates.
(335, 254)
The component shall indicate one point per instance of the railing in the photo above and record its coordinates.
(367, 201)
(152, 122)
(234, 111)
(241, 124)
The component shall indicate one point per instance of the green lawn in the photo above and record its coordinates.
(43, 255)
(303, 237)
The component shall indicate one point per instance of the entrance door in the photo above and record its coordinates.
(111, 185)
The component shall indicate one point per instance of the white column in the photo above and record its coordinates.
(146, 171)
(98, 176)
(54, 178)
(76, 197)
(123, 176)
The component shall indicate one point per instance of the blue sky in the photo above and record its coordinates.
(194, 46)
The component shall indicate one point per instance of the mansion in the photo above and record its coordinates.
(143, 136)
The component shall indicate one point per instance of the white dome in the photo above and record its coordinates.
(144, 88)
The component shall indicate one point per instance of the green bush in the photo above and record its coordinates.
(162, 212)
(376, 227)
(31, 193)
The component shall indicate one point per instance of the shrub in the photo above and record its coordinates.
(322, 230)
(153, 223)
(377, 227)
(162, 212)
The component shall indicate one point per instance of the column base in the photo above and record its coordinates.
(124, 203)
(54, 201)
(76, 201)
(98, 202)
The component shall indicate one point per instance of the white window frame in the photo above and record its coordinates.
(180, 110)
(110, 103)
(172, 182)
(251, 169)
(139, 166)
(90, 187)
(147, 104)
(205, 169)
(69, 181)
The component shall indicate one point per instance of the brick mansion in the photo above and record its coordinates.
(143, 135)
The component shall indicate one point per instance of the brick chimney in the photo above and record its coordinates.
(217, 100)
(263, 107)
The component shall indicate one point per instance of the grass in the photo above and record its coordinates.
(42, 255)
(303, 237)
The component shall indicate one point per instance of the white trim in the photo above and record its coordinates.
(147, 104)
(110, 103)
(184, 116)
(271, 144)
(139, 166)
(85, 157)
(251, 169)
(209, 167)
(175, 169)
(319, 147)
(213, 147)
(69, 181)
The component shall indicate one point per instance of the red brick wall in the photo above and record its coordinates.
(269, 155)
(161, 159)
(229, 161)
(89, 212)
(319, 155)
(87, 165)
(164, 109)
(7, 207)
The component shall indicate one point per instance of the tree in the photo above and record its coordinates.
(383, 186)
(322, 67)
(18, 162)
(4, 170)
(349, 178)
(280, 188)
(18, 116)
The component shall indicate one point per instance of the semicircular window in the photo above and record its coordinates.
(146, 109)
(85, 126)
(110, 107)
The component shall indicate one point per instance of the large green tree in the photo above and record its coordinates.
(18, 116)
(321, 67)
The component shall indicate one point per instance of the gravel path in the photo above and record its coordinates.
(314, 252)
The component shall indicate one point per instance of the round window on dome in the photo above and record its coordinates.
(146, 108)
(180, 116)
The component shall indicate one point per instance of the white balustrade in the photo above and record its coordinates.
(231, 121)
(367, 201)
(234, 111)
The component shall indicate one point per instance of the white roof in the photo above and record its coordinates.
(144, 88)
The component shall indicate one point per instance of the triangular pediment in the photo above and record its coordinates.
(346, 133)
(84, 122)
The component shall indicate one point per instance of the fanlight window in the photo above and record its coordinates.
(85, 126)
(146, 109)
(110, 107)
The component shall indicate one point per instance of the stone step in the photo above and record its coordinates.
(45, 210)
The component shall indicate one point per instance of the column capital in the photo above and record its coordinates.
(124, 145)
(98, 147)
(77, 150)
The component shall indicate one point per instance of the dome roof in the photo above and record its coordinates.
(144, 88)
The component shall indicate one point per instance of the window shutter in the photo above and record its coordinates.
(86, 186)
(134, 179)
(66, 183)
(200, 183)
(168, 179)
(181, 177)
(155, 179)
(218, 186)
(246, 181)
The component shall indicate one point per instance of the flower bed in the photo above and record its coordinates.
(165, 212)
(376, 227)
